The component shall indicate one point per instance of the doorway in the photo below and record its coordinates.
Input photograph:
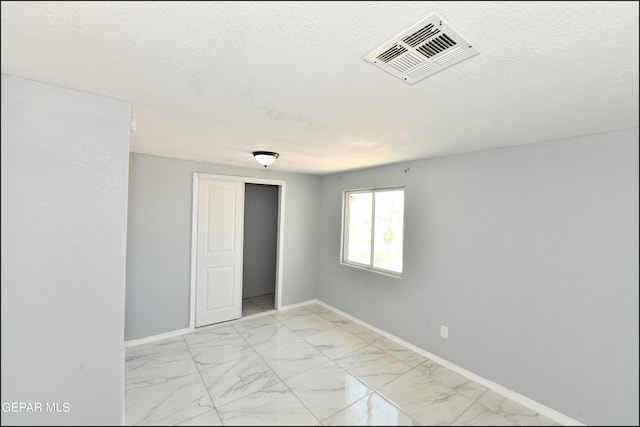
(220, 227)
(260, 248)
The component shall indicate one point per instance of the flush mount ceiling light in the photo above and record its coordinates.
(265, 158)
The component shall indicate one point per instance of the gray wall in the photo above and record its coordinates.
(260, 240)
(159, 239)
(64, 209)
(529, 255)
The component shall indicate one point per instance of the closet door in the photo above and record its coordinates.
(219, 251)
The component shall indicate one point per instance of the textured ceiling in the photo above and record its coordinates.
(214, 81)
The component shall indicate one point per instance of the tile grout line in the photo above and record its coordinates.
(372, 391)
(232, 324)
(163, 353)
(276, 374)
(330, 360)
(317, 367)
(232, 360)
(414, 368)
(375, 391)
(262, 309)
(470, 406)
(204, 384)
(352, 352)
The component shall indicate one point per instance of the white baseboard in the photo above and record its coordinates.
(251, 316)
(299, 304)
(152, 338)
(516, 397)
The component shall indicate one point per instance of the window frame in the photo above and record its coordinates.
(345, 230)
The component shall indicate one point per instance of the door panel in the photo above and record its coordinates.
(218, 293)
(221, 218)
(219, 251)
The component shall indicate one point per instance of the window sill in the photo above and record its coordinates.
(373, 270)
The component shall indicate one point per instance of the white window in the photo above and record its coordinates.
(373, 227)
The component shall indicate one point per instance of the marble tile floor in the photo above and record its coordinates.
(304, 366)
(254, 305)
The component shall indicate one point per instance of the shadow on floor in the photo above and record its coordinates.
(257, 304)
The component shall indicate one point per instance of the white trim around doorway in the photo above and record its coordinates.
(194, 233)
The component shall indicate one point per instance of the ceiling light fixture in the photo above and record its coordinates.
(265, 158)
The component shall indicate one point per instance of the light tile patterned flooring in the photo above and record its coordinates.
(304, 366)
(256, 305)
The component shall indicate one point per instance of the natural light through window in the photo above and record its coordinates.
(373, 229)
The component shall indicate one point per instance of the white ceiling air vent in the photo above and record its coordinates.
(422, 50)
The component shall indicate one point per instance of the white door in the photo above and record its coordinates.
(219, 251)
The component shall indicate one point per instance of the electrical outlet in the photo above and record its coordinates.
(444, 332)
